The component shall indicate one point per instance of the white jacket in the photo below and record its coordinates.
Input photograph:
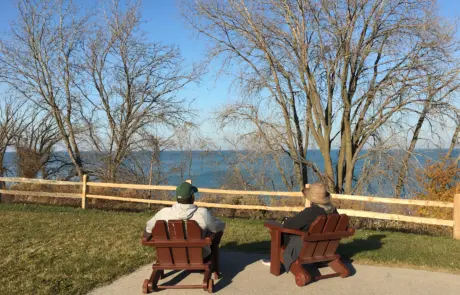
(178, 211)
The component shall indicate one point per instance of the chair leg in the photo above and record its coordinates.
(151, 285)
(206, 279)
(216, 254)
(339, 267)
(275, 262)
(211, 286)
(302, 277)
(215, 262)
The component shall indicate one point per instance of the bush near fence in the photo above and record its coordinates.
(92, 203)
(358, 222)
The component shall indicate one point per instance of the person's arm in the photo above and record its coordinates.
(212, 223)
(295, 222)
(150, 224)
(146, 235)
(160, 215)
(300, 221)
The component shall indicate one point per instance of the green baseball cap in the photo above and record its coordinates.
(184, 192)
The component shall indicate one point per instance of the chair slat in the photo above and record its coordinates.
(341, 226)
(176, 232)
(178, 242)
(159, 232)
(195, 255)
(315, 228)
(329, 227)
(319, 245)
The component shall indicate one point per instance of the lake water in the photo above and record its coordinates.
(211, 169)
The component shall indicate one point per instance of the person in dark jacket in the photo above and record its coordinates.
(321, 204)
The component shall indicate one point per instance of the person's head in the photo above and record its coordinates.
(317, 194)
(185, 193)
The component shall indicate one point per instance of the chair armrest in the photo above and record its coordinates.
(145, 241)
(351, 231)
(146, 237)
(273, 225)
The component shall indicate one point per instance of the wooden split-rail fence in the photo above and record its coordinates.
(85, 184)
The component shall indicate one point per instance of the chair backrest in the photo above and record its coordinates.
(178, 242)
(325, 234)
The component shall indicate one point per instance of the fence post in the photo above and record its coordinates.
(307, 202)
(457, 216)
(83, 191)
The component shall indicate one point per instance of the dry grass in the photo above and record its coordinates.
(62, 250)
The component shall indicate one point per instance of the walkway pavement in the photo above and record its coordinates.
(244, 274)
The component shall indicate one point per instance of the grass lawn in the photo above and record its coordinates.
(60, 250)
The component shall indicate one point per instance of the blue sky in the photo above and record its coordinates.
(164, 24)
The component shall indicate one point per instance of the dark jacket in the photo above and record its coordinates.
(301, 221)
(305, 218)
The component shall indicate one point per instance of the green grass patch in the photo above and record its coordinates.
(60, 250)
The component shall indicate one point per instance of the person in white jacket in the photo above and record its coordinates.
(184, 209)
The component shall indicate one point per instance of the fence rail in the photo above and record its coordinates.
(84, 185)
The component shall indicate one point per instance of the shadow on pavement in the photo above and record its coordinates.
(231, 264)
(243, 255)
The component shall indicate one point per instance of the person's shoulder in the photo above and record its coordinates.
(202, 210)
(163, 211)
(308, 209)
(305, 211)
(312, 210)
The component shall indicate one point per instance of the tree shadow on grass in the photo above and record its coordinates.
(347, 250)
(370, 243)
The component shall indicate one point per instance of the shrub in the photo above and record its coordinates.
(439, 182)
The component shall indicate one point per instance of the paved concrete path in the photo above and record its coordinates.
(245, 274)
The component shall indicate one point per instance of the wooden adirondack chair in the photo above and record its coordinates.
(319, 245)
(179, 246)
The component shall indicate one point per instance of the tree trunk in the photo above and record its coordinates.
(328, 167)
(74, 155)
(2, 183)
(348, 144)
(418, 127)
(453, 144)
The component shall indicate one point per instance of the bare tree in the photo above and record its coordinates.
(136, 82)
(34, 147)
(439, 87)
(454, 141)
(40, 59)
(13, 121)
(155, 145)
(332, 71)
(252, 165)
